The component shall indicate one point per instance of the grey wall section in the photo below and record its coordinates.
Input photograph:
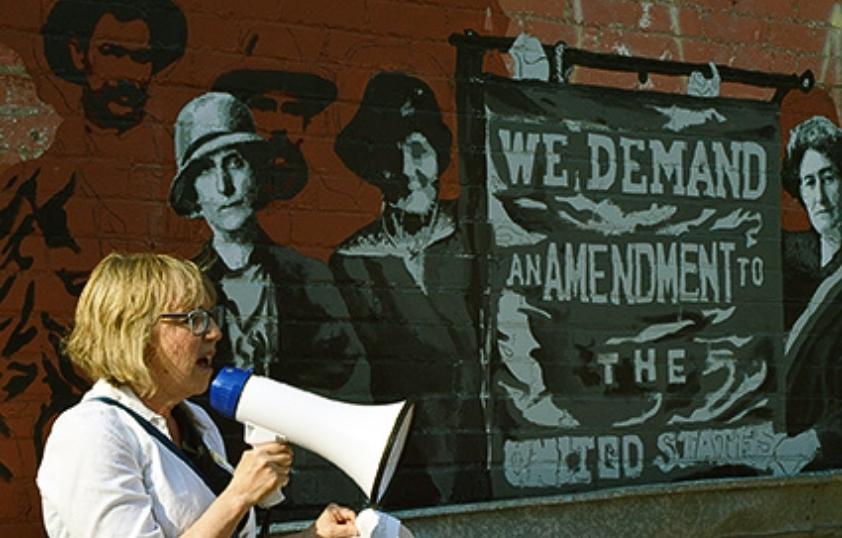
(806, 505)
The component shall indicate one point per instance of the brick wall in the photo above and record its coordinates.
(122, 182)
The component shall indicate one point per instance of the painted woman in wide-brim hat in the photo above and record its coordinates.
(215, 121)
(225, 174)
(409, 270)
(398, 142)
(394, 107)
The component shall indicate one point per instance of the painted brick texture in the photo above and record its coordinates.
(121, 181)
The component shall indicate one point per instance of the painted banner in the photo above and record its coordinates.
(635, 286)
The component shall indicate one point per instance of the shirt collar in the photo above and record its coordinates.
(212, 265)
(127, 397)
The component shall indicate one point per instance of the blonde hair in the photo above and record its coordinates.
(118, 308)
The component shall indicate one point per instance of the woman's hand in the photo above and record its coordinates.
(261, 470)
(334, 522)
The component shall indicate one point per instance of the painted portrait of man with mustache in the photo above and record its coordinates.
(113, 49)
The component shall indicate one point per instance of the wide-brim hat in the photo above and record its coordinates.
(206, 124)
(311, 92)
(394, 105)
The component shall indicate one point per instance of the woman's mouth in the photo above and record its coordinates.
(232, 205)
(204, 362)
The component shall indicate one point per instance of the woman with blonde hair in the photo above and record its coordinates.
(134, 457)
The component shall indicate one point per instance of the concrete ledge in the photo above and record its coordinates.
(806, 505)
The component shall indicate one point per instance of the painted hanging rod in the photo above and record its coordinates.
(642, 66)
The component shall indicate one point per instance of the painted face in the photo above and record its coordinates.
(181, 362)
(118, 65)
(275, 113)
(821, 193)
(278, 119)
(421, 170)
(226, 190)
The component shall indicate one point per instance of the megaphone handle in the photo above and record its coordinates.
(254, 435)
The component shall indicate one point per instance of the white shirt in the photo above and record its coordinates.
(104, 475)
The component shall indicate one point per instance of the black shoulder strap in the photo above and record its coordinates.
(156, 433)
(167, 442)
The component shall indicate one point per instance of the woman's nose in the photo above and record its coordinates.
(214, 331)
(821, 192)
(417, 177)
(223, 181)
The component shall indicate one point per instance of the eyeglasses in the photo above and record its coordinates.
(199, 320)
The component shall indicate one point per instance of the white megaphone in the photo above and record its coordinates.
(365, 441)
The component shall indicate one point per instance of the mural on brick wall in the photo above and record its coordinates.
(811, 174)
(610, 300)
(283, 312)
(56, 203)
(406, 278)
(284, 316)
(636, 242)
(112, 50)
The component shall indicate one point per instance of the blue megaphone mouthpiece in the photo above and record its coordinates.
(226, 389)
